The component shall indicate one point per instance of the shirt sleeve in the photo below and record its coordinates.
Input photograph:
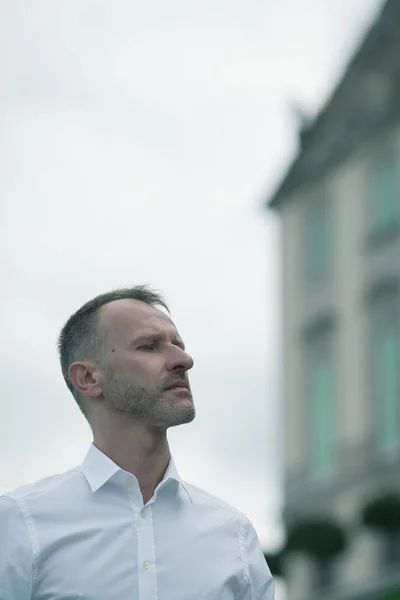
(259, 581)
(15, 553)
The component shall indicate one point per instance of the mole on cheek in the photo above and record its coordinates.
(113, 350)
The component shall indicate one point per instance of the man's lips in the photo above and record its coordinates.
(178, 384)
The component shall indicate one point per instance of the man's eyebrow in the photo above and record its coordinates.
(157, 337)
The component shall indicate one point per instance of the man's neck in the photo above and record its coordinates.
(139, 451)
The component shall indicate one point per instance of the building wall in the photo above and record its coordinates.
(350, 277)
(356, 266)
(292, 317)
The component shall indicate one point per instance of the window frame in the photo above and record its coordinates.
(383, 311)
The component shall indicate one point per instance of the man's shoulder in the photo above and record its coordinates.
(201, 496)
(40, 488)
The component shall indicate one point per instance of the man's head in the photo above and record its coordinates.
(119, 353)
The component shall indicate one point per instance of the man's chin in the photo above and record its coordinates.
(186, 414)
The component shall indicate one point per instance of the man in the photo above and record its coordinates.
(123, 525)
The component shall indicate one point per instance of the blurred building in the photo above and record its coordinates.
(339, 205)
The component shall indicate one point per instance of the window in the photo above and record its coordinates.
(384, 200)
(318, 240)
(385, 370)
(391, 553)
(320, 400)
(324, 576)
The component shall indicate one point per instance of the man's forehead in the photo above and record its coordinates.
(122, 313)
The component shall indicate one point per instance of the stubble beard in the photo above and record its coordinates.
(149, 405)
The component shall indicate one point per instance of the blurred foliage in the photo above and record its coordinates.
(275, 562)
(393, 596)
(322, 538)
(382, 512)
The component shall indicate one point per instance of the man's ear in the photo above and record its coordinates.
(85, 378)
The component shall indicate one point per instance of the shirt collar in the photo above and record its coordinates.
(98, 468)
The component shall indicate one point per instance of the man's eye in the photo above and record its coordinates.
(147, 347)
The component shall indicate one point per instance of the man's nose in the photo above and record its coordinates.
(181, 360)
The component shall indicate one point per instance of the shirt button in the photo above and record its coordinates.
(146, 564)
(143, 514)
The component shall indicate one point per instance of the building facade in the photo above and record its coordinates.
(339, 206)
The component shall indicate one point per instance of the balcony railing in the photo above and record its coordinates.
(355, 462)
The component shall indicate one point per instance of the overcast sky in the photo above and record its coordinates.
(137, 141)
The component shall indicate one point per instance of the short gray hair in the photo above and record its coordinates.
(81, 337)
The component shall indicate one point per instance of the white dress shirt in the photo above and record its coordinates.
(86, 535)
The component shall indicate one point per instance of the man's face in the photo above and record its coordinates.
(145, 375)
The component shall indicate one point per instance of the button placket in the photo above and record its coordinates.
(147, 575)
